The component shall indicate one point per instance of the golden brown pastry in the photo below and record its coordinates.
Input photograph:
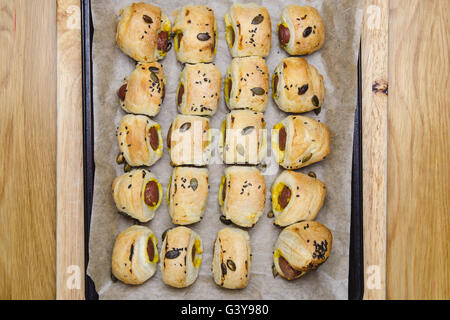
(301, 30)
(143, 91)
(248, 30)
(195, 34)
(301, 248)
(232, 258)
(140, 140)
(242, 195)
(297, 86)
(199, 89)
(181, 257)
(143, 33)
(296, 197)
(187, 193)
(135, 255)
(299, 141)
(247, 84)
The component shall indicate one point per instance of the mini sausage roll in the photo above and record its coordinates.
(143, 33)
(135, 255)
(247, 84)
(195, 34)
(301, 31)
(248, 30)
(232, 258)
(301, 248)
(243, 137)
(187, 193)
(297, 86)
(143, 91)
(299, 141)
(189, 141)
(296, 197)
(199, 89)
(181, 257)
(140, 140)
(242, 195)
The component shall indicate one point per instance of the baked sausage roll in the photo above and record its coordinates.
(143, 33)
(140, 140)
(137, 193)
(143, 91)
(248, 30)
(301, 248)
(296, 197)
(189, 141)
(297, 86)
(299, 141)
(181, 257)
(247, 84)
(243, 137)
(301, 30)
(232, 258)
(199, 89)
(242, 195)
(195, 34)
(187, 193)
(135, 255)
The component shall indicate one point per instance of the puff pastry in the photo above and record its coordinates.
(232, 258)
(297, 86)
(187, 193)
(181, 257)
(140, 140)
(199, 89)
(301, 248)
(242, 195)
(299, 141)
(143, 33)
(296, 197)
(247, 84)
(301, 30)
(195, 34)
(248, 30)
(135, 255)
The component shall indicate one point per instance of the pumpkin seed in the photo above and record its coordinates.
(303, 89)
(172, 254)
(307, 32)
(224, 220)
(185, 127)
(312, 174)
(231, 265)
(307, 158)
(258, 91)
(194, 184)
(154, 76)
(154, 69)
(203, 36)
(247, 130)
(120, 159)
(147, 19)
(224, 268)
(126, 167)
(274, 271)
(240, 149)
(315, 101)
(258, 19)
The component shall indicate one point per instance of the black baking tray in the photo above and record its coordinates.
(356, 269)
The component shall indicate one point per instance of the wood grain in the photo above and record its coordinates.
(28, 144)
(419, 150)
(70, 211)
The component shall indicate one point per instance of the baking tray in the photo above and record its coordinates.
(356, 265)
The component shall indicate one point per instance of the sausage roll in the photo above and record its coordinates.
(248, 30)
(189, 141)
(232, 258)
(143, 91)
(296, 197)
(301, 30)
(242, 195)
(299, 141)
(187, 193)
(247, 84)
(181, 257)
(243, 137)
(140, 140)
(297, 86)
(143, 33)
(135, 255)
(301, 248)
(199, 89)
(195, 34)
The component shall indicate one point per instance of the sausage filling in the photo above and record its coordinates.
(150, 249)
(151, 194)
(282, 136)
(154, 139)
(275, 84)
(194, 251)
(163, 41)
(122, 92)
(283, 35)
(288, 271)
(224, 190)
(169, 137)
(284, 197)
(229, 87)
(180, 94)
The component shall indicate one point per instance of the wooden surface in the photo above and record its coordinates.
(28, 149)
(70, 213)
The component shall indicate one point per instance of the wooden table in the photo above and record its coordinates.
(406, 149)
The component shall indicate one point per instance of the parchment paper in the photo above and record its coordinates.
(337, 61)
